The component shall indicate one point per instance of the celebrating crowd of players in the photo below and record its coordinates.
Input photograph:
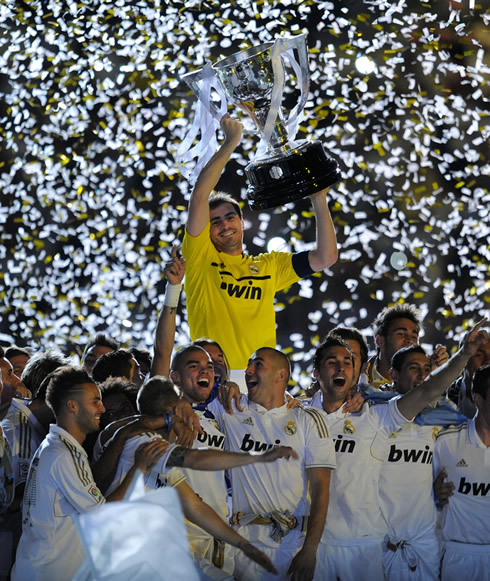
(382, 472)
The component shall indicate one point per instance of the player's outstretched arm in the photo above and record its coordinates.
(218, 460)
(325, 253)
(165, 332)
(146, 456)
(303, 565)
(439, 380)
(204, 516)
(198, 215)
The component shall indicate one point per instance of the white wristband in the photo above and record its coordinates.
(172, 295)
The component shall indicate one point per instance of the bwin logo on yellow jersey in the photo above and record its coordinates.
(349, 427)
(242, 291)
(290, 428)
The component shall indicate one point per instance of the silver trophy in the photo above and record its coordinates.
(283, 170)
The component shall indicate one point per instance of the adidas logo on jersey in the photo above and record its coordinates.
(248, 421)
(462, 464)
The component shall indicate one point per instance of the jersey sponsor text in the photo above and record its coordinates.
(422, 456)
(251, 445)
(474, 488)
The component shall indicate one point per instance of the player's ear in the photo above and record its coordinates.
(315, 374)
(394, 374)
(72, 406)
(380, 341)
(477, 400)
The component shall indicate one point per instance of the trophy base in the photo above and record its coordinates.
(291, 176)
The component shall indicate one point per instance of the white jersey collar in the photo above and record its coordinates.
(55, 429)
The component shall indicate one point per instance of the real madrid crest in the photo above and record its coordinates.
(392, 435)
(435, 431)
(290, 428)
(349, 427)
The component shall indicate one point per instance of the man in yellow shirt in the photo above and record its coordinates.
(230, 295)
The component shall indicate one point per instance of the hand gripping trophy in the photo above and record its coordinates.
(283, 170)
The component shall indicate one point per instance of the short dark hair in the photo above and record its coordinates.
(142, 356)
(63, 384)
(103, 340)
(220, 198)
(178, 355)
(383, 321)
(13, 351)
(481, 381)
(157, 396)
(331, 340)
(353, 334)
(399, 357)
(2, 353)
(114, 385)
(113, 364)
(278, 356)
(40, 366)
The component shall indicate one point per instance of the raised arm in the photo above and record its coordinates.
(325, 254)
(439, 380)
(198, 215)
(165, 331)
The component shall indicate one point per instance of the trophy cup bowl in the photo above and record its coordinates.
(285, 171)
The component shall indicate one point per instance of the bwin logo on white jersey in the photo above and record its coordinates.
(422, 456)
(249, 444)
(212, 440)
(474, 488)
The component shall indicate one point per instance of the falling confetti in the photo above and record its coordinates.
(92, 111)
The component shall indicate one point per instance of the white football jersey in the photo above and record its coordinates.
(354, 509)
(280, 485)
(24, 434)
(466, 460)
(158, 476)
(59, 485)
(209, 485)
(407, 466)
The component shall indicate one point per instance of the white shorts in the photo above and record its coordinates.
(422, 551)
(465, 562)
(281, 554)
(358, 559)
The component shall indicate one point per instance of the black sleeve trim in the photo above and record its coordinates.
(301, 264)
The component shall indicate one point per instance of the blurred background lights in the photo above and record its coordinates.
(365, 65)
(277, 244)
(398, 260)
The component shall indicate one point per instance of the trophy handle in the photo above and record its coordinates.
(285, 47)
(302, 73)
(207, 117)
(201, 82)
